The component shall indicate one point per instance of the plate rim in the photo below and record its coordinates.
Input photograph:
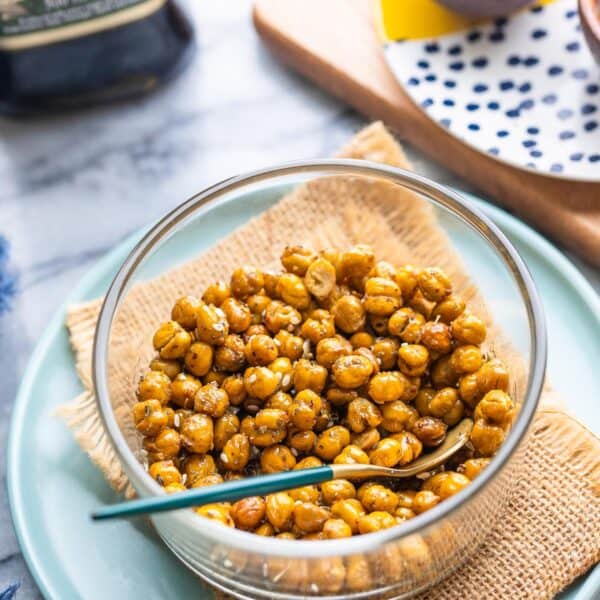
(34, 562)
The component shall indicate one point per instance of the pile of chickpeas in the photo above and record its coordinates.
(339, 358)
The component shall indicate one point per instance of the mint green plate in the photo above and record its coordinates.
(53, 487)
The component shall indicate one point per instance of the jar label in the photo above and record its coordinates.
(27, 23)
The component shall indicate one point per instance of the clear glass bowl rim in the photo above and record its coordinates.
(210, 197)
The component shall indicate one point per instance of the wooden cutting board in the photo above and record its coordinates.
(333, 43)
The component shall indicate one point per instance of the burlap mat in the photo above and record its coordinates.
(550, 533)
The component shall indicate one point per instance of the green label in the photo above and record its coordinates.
(18, 17)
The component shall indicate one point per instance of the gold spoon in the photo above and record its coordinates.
(261, 485)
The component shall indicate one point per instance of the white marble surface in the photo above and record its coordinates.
(74, 186)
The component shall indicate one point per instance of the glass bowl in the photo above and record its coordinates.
(395, 562)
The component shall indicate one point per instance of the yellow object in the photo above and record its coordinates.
(415, 19)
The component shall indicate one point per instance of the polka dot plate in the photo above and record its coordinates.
(524, 89)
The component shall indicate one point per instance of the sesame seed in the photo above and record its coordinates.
(252, 378)
(286, 380)
(294, 452)
(223, 456)
(314, 588)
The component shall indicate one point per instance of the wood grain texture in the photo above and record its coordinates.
(333, 44)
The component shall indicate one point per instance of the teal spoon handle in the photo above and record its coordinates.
(229, 491)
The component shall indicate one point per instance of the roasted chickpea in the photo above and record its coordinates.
(266, 530)
(281, 401)
(398, 416)
(376, 521)
(149, 417)
(257, 304)
(174, 488)
(466, 359)
(171, 340)
(421, 305)
(352, 455)
(365, 440)
(230, 356)
(198, 466)
(331, 442)
(165, 445)
(269, 427)
(434, 284)
(236, 452)
(197, 433)
(407, 279)
(213, 376)
(305, 409)
(387, 386)
(358, 574)
(238, 315)
(436, 337)
(280, 316)
(405, 498)
(165, 473)
(448, 309)
(338, 489)
(309, 517)
(377, 497)
(442, 402)
(216, 512)
(308, 375)
(248, 512)
(308, 493)
(442, 373)
(260, 382)
(211, 400)
(330, 349)
(336, 528)
(320, 278)
(155, 386)
(407, 325)
(235, 388)
(171, 368)
(212, 326)
(349, 314)
(493, 375)
(363, 414)
(184, 311)
(490, 376)
(361, 339)
(424, 500)
(353, 371)
(446, 483)
(297, 259)
(430, 430)
(486, 438)
(302, 441)
(277, 458)
(199, 359)
(224, 428)
(349, 510)
(261, 350)
(325, 417)
(216, 293)
(318, 326)
(382, 296)
(328, 574)
(289, 345)
(357, 262)
(291, 289)
(280, 510)
(246, 281)
(468, 329)
(284, 371)
(387, 453)
(472, 467)
(385, 350)
(378, 324)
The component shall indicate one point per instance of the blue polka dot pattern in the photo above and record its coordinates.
(523, 89)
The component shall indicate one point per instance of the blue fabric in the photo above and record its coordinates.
(10, 592)
(8, 288)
